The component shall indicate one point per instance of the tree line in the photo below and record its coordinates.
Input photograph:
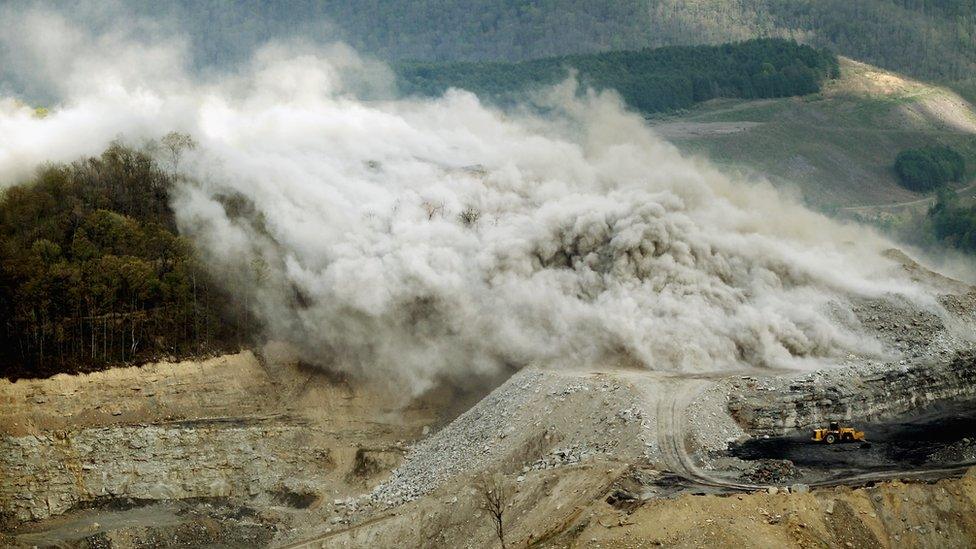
(953, 224)
(933, 39)
(927, 39)
(650, 80)
(94, 273)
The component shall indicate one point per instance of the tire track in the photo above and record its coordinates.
(672, 408)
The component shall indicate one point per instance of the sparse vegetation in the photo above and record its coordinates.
(837, 147)
(495, 493)
(469, 216)
(176, 144)
(433, 209)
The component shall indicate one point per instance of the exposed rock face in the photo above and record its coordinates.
(227, 385)
(776, 406)
(265, 434)
(929, 357)
(48, 474)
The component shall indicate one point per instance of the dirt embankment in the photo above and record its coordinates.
(891, 514)
(570, 508)
(252, 452)
(266, 438)
(230, 385)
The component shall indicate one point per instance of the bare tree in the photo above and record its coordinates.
(433, 209)
(495, 492)
(176, 144)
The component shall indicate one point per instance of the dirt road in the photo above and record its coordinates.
(673, 395)
(672, 398)
(965, 193)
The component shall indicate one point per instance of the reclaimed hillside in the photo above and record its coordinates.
(836, 148)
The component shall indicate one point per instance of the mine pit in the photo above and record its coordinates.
(258, 449)
(937, 437)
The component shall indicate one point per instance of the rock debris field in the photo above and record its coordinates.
(544, 418)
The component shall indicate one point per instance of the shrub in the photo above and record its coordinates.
(929, 168)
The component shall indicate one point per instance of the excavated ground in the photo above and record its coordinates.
(577, 432)
(937, 437)
(241, 451)
(228, 451)
(588, 505)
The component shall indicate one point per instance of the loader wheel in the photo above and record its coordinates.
(831, 438)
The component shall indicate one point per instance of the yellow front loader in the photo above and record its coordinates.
(835, 433)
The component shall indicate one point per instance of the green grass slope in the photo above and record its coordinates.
(836, 147)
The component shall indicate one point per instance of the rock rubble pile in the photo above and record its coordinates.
(772, 471)
(538, 419)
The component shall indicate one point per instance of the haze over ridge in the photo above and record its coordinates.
(405, 240)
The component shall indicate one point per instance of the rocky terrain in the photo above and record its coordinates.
(931, 359)
(862, 395)
(536, 420)
(237, 441)
(962, 451)
(580, 506)
(554, 424)
(256, 449)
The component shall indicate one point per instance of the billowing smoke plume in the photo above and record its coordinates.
(405, 240)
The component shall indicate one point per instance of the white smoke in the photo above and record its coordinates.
(406, 240)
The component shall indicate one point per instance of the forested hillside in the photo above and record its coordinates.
(931, 39)
(650, 80)
(92, 271)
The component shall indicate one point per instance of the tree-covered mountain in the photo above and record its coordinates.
(93, 272)
(650, 80)
(931, 39)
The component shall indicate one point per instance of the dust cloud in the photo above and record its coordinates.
(407, 240)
